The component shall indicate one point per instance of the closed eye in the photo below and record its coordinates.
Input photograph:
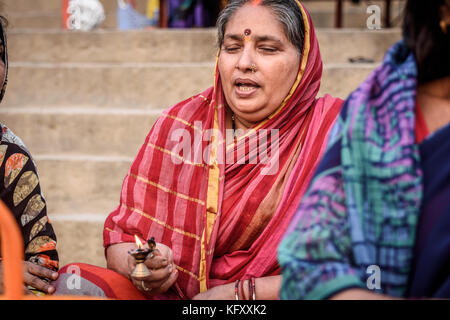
(232, 49)
(268, 49)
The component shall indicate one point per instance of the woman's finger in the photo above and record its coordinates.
(26, 291)
(38, 283)
(40, 271)
(157, 275)
(131, 264)
(156, 262)
(169, 282)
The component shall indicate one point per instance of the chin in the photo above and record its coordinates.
(248, 107)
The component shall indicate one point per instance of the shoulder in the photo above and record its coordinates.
(15, 160)
(12, 141)
(193, 108)
(189, 114)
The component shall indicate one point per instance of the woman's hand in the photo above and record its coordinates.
(33, 276)
(163, 271)
(266, 288)
(223, 292)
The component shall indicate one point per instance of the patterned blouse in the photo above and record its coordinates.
(21, 193)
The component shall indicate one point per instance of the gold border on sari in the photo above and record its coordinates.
(212, 195)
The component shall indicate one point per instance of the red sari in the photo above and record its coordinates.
(224, 221)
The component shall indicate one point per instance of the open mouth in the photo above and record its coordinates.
(246, 85)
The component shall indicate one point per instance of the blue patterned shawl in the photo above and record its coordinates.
(363, 204)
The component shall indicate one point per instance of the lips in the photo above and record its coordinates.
(246, 86)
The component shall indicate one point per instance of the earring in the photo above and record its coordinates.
(254, 68)
(443, 25)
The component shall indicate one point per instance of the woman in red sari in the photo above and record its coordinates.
(218, 207)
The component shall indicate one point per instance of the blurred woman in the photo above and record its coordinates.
(21, 192)
(192, 13)
(377, 213)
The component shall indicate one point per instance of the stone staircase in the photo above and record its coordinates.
(84, 102)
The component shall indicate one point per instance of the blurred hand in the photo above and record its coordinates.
(34, 275)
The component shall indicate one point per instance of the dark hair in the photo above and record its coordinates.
(287, 11)
(4, 21)
(4, 56)
(424, 36)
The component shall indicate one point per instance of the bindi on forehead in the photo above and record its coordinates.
(247, 33)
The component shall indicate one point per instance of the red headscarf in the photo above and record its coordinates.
(225, 221)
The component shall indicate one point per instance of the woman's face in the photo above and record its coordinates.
(257, 71)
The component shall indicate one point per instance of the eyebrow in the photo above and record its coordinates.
(240, 37)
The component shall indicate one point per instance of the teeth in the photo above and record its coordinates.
(245, 88)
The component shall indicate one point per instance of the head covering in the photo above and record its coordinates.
(4, 58)
(224, 220)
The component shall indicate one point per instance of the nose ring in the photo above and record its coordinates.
(253, 68)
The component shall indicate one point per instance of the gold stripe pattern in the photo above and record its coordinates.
(38, 227)
(41, 244)
(202, 272)
(202, 165)
(13, 167)
(162, 223)
(33, 208)
(3, 149)
(27, 183)
(182, 121)
(188, 273)
(177, 194)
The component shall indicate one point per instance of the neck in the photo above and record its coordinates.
(236, 122)
(438, 89)
(242, 124)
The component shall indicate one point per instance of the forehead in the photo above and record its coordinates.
(261, 20)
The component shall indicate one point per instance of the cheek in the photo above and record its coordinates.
(226, 68)
(282, 78)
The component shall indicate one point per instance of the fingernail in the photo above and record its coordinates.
(170, 268)
(55, 275)
(51, 289)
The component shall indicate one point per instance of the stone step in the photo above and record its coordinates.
(81, 184)
(47, 13)
(49, 21)
(54, 6)
(141, 85)
(45, 6)
(79, 239)
(337, 46)
(160, 45)
(70, 131)
(354, 15)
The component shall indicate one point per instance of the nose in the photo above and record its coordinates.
(246, 60)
